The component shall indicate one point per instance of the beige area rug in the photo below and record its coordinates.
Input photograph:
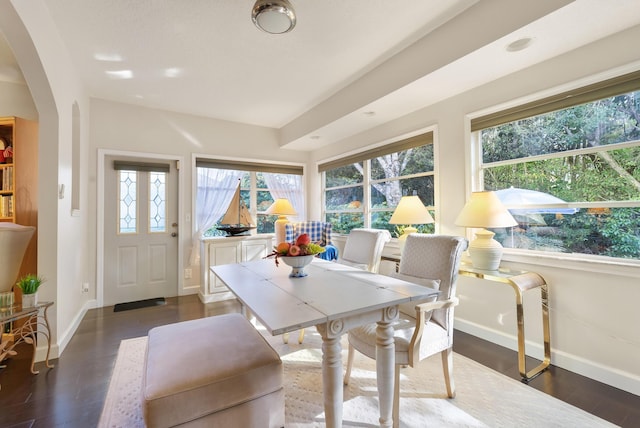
(484, 398)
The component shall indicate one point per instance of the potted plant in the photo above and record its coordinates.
(29, 285)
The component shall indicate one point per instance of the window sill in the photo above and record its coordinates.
(630, 268)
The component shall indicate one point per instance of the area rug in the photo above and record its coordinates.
(157, 301)
(484, 398)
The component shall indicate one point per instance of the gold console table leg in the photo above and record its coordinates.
(521, 284)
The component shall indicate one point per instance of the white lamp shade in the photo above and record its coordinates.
(484, 209)
(281, 206)
(411, 210)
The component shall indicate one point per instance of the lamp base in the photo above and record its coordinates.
(403, 238)
(485, 252)
(279, 228)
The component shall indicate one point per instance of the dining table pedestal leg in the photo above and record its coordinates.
(332, 378)
(385, 371)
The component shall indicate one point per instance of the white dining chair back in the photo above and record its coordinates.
(363, 248)
(423, 328)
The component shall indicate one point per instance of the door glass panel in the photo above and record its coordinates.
(157, 202)
(127, 206)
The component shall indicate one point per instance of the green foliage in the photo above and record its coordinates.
(30, 283)
(588, 175)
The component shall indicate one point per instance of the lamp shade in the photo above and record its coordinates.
(411, 210)
(281, 206)
(484, 209)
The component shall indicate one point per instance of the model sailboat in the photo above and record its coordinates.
(237, 219)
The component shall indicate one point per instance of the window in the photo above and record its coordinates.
(580, 152)
(260, 185)
(363, 190)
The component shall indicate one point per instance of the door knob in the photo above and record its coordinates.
(174, 224)
(174, 234)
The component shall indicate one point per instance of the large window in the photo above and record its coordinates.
(570, 176)
(260, 185)
(364, 189)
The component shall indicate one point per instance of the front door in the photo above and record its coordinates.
(140, 229)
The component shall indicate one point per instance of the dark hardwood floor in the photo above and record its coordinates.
(72, 393)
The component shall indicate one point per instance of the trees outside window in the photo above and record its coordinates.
(363, 190)
(588, 156)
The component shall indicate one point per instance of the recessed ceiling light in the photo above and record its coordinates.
(519, 44)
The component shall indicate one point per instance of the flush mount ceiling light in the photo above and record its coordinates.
(273, 16)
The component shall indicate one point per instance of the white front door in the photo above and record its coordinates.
(140, 229)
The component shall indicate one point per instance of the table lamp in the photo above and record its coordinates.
(282, 208)
(410, 210)
(484, 209)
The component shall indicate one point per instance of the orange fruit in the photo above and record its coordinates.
(283, 248)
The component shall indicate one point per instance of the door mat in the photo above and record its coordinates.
(139, 304)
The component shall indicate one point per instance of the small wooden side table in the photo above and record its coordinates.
(34, 317)
(521, 282)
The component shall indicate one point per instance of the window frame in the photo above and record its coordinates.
(419, 139)
(619, 85)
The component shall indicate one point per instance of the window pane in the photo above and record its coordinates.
(412, 161)
(157, 202)
(264, 200)
(128, 209)
(613, 232)
(594, 177)
(350, 174)
(349, 198)
(344, 222)
(608, 121)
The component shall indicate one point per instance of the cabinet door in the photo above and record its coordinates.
(255, 250)
(222, 254)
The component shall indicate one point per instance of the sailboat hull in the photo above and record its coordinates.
(235, 230)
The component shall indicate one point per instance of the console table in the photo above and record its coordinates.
(33, 317)
(521, 282)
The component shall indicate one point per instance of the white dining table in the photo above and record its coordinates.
(334, 298)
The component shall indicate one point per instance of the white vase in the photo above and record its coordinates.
(29, 300)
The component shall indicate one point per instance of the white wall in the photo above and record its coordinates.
(125, 128)
(54, 88)
(593, 306)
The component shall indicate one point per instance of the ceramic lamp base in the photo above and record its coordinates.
(403, 238)
(485, 252)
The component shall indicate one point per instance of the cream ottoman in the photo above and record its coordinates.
(212, 372)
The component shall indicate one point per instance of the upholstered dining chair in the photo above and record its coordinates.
(423, 329)
(363, 248)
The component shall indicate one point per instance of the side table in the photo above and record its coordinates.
(521, 282)
(34, 317)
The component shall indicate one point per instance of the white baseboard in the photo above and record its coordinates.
(607, 375)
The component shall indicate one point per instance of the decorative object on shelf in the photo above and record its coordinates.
(302, 248)
(282, 208)
(297, 263)
(273, 16)
(482, 210)
(29, 285)
(410, 211)
(237, 220)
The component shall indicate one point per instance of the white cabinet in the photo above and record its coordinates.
(226, 250)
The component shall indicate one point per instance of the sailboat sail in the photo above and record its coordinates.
(237, 219)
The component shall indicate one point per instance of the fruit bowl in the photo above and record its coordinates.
(297, 263)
